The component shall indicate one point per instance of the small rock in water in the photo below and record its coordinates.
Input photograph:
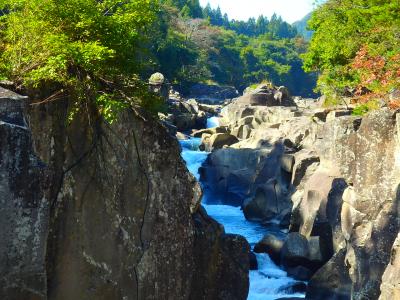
(271, 245)
(293, 288)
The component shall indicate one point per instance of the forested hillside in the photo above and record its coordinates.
(58, 44)
(302, 27)
(204, 45)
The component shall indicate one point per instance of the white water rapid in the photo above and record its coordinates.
(269, 281)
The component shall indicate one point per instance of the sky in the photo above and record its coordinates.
(289, 10)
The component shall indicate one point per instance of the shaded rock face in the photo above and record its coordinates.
(24, 206)
(214, 254)
(390, 287)
(212, 94)
(366, 155)
(116, 218)
(184, 115)
(332, 281)
(112, 213)
(239, 174)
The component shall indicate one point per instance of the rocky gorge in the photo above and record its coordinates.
(327, 176)
(294, 200)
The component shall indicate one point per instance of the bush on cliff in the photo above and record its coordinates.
(89, 50)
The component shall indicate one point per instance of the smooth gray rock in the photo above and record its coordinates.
(271, 245)
(295, 250)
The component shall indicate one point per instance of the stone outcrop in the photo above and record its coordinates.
(338, 175)
(224, 258)
(217, 141)
(265, 95)
(365, 154)
(99, 211)
(184, 115)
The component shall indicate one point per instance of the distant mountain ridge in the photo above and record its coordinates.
(301, 27)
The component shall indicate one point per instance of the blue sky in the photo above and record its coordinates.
(289, 10)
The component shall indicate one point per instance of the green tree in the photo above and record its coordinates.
(90, 50)
(342, 29)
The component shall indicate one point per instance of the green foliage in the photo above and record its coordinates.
(364, 108)
(99, 52)
(229, 52)
(277, 61)
(342, 29)
(91, 49)
(187, 8)
(275, 27)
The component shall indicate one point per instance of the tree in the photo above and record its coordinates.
(89, 50)
(348, 32)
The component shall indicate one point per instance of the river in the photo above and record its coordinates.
(269, 282)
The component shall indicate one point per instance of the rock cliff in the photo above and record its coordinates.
(97, 211)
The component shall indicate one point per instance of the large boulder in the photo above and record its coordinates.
(265, 95)
(295, 251)
(302, 257)
(234, 112)
(272, 245)
(332, 281)
(258, 99)
(217, 141)
(313, 207)
(268, 202)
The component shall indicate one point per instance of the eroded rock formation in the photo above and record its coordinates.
(334, 182)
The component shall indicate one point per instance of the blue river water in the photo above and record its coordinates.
(269, 281)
